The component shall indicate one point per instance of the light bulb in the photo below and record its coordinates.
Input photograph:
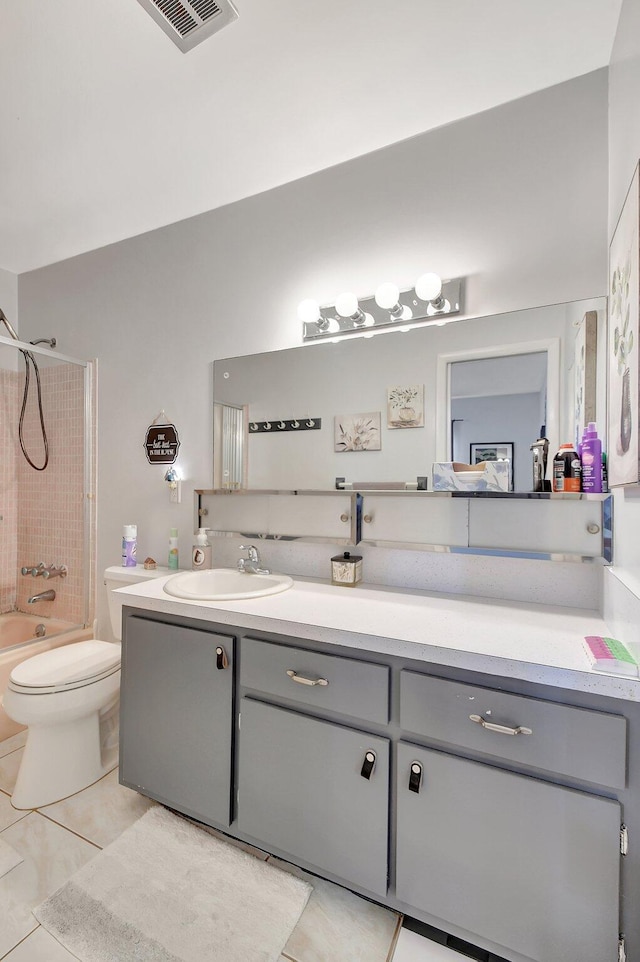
(308, 311)
(328, 325)
(347, 304)
(440, 306)
(428, 287)
(387, 296)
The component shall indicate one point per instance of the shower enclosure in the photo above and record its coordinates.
(46, 515)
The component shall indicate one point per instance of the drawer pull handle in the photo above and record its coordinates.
(305, 681)
(221, 659)
(501, 729)
(415, 777)
(368, 764)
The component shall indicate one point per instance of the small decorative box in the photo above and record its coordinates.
(485, 476)
(346, 569)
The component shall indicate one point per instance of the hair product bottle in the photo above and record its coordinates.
(129, 545)
(173, 549)
(591, 460)
(567, 469)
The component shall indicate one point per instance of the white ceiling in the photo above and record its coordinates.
(107, 130)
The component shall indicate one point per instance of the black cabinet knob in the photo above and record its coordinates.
(368, 764)
(415, 777)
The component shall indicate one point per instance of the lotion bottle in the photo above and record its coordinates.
(201, 556)
(173, 550)
(129, 545)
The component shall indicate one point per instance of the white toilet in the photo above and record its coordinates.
(69, 698)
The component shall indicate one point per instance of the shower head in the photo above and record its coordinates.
(3, 320)
(51, 341)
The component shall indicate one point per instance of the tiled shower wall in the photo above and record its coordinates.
(8, 489)
(48, 514)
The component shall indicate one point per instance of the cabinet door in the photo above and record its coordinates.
(302, 790)
(176, 717)
(528, 865)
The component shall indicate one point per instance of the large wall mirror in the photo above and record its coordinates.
(481, 382)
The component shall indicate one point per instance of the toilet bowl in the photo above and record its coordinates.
(69, 699)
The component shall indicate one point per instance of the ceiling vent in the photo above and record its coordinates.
(189, 22)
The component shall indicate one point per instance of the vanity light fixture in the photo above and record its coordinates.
(431, 301)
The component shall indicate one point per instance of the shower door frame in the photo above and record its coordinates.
(89, 480)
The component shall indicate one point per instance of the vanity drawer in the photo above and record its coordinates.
(356, 688)
(576, 742)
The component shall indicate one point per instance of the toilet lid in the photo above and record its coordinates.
(68, 665)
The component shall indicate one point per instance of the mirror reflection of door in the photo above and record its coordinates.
(498, 401)
(229, 454)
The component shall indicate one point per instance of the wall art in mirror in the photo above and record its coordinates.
(624, 288)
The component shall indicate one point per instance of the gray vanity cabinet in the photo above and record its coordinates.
(527, 864)
(311, 788)
(176, 717)
(495, 814)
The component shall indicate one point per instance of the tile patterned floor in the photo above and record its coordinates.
(58, 839)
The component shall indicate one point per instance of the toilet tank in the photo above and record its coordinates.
(118, 576)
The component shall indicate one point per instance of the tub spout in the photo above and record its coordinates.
(49, 595)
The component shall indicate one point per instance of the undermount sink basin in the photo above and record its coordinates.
(224, 584)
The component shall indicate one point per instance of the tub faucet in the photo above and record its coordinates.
(251, 564)
(49, 595)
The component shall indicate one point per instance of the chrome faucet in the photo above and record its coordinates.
(49, 595)
(251, 564)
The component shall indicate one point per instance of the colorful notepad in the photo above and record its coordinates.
(609, 654)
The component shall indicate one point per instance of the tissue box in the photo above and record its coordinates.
(485, 476)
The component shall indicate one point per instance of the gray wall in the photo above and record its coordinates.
(514, 199)
(502, 418)
(9, 299)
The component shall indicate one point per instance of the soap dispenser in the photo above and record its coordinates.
(201, 556)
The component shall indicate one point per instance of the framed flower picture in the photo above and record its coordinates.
(357, 432)
(623, 390)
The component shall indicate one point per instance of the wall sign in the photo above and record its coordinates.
(162, 444)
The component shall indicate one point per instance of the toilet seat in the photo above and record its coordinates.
(65, 668)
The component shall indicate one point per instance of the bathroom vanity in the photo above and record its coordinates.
(452, 758)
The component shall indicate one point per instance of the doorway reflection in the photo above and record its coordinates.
(498, 407)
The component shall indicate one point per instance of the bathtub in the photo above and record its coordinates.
(18, 641)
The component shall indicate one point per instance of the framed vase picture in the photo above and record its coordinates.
(623, 395)
(405, 406)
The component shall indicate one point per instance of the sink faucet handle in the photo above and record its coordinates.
(252, 552)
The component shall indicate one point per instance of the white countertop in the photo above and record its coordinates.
(535, 643)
